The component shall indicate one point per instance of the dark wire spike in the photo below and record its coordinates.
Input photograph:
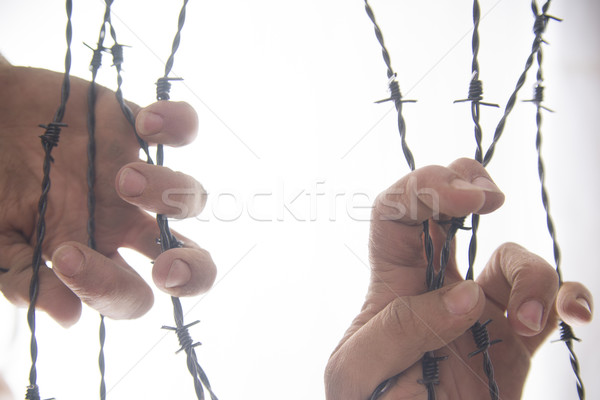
(431, 373)
(483, 343)
(49, 141)
(118, 59)
(396, 95)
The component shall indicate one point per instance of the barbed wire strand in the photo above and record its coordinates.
(169, 241)
(49, 140)
(567, 334)
(537, 42)
(430, 276)
(475, 97)
(118, 58)
(95, 65)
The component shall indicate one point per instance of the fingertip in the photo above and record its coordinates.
(462, 298)
(168, 122)
(530, 316)
(149, 123)
(184, 272)
(575, 304)
(67, 261)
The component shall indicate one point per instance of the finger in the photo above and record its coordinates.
(429, 192)
(168, 122)
(184, 272)
(574, 303)
(54, 297)
(523, 284)
(107, 286)
(398, 336)
(474, 173)
(160, 190)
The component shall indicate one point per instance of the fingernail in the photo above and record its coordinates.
(179, 274)
(68, 260)
(530, 314)
(132, 183)
(461, 184)
(486, 184)
(584, 303)
(462, 298)
(149, 123)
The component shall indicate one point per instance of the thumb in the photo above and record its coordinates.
(398, 336)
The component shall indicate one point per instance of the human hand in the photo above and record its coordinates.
(125, 187)
(400, 321)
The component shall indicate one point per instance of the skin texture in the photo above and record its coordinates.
(400, 320)
(126, 187)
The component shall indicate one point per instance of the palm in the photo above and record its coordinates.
(67, 210)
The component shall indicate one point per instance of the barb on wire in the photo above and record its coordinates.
(541, 22)
(396, 97)
(431, 373)
(49, 140)
(395, 94)
(118, 58)
(483, 343)
(475, 96)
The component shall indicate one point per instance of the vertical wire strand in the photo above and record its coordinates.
(567, 334)
(475, 97)
(169, 241)
(49, 141)
(95, 65)
(396, 97)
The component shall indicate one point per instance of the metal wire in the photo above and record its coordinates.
(49, 140)
(95, 65)
(475, 96)
(567, 335)
(396, 97)
(169, 241)
(118, 57)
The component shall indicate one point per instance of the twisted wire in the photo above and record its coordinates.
(395, 94)
(168, 240)
(92, 96)
(475, 96)
(431, 373)
(49, 140)
(541, 21)
(118, 57)
(396, 97)
(567, 335)
(455, 223)
(483, 343)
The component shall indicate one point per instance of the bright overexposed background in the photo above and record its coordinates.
(293, 151)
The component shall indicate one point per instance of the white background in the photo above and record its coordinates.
(285, 91)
